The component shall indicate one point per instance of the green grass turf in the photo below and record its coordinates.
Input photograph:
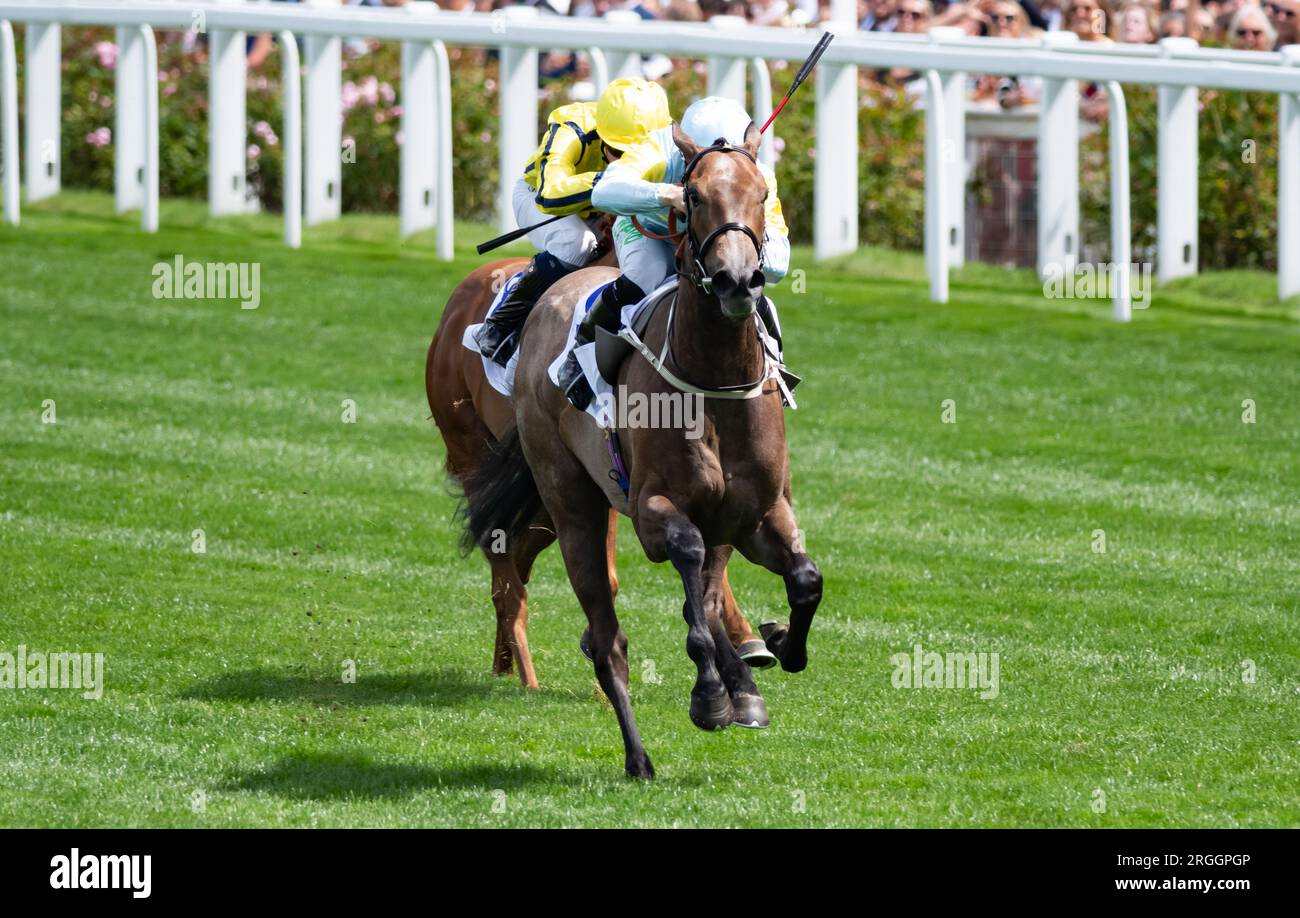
(1119, 672)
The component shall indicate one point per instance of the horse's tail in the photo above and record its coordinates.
(501, 497)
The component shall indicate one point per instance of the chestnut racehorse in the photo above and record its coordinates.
(690, 499)
(472, 418)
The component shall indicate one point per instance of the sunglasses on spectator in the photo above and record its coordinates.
(1250, 33)
(1278, 12)
(1002, 18)
(918, 15)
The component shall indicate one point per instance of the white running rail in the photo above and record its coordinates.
(1176, 67)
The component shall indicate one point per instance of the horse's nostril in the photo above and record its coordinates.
(757, 280)
(724, 283)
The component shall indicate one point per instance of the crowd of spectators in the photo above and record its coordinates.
(1248, 25)
(1251, 25)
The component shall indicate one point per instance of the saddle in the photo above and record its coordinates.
(613, 348)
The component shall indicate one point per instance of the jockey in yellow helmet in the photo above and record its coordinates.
(580, 140)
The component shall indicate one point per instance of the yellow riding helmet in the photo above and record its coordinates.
(629, 110)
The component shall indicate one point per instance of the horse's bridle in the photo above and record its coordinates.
(695, 249)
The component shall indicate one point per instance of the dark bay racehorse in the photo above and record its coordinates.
(472, 417)
(690, 500)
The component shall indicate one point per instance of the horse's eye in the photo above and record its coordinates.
(692, 195)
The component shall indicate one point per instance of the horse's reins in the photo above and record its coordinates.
(689, 245)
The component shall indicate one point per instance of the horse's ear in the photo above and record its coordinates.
(690, 149)
(753, 137)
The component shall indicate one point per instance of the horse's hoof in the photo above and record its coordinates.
(794, 662)
(584, 644)
(711, 713)
(748, 710)
(774, 635)
(755, 653)
(640, 767)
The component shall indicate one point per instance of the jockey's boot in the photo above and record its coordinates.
(498, 336)
(607, 314)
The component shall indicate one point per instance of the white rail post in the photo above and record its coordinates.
(835, 169)
(623, 64)
(1058, 170)
(129, 121)
(323, 137)
(1177, 210)
(727, 74)
(954, 150)
(149, 207)
(227, 138)
(518, 95)
(599, 69)
(1288, 186)
(936, 191)
(291, 77)
(1121, 231)
(44, 110)
(9, 121)
(443, 200)
(761, 88)
(418, 157)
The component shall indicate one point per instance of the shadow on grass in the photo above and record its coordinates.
(329, 776)
(440, 689)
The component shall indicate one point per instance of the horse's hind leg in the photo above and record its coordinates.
(583, 541)
(748, 707)
(510, 572)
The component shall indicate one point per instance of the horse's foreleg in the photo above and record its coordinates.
(667, 533)
(778, 546)
(748, 707)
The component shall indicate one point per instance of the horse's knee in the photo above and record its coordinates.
(804, 584)
(685, 547)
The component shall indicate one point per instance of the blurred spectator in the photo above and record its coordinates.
(1007, 19)
(1089, 19)
(1135, 23)
(1053, 15)
(1251, 30)
(879, 16)
(965, 16)
(1173, 25)
(768, 12)
(913, 16)
(1285, 17)
(683, 11)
